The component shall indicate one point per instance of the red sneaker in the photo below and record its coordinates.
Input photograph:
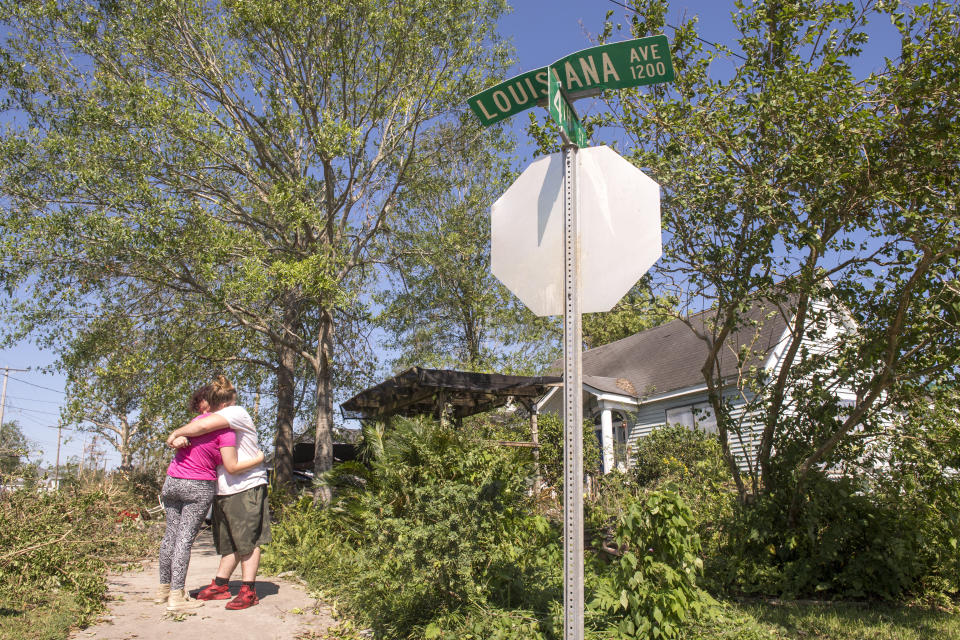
(246, 598)
(213, 591)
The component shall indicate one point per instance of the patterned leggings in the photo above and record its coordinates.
(186, 502)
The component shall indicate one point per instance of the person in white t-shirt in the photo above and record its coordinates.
(241, 517)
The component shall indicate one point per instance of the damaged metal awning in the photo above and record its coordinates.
(419, 391)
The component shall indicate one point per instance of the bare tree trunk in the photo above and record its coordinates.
(126, 455)
(283, 442)
(323, 436)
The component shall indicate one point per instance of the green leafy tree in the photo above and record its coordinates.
(241, 157)
(798, 181)
(129, 377)
(14, 447)
(445, 308)
(637, 311)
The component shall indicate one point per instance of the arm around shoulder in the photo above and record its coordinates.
(200, 426)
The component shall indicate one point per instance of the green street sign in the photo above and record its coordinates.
(562, 112)
(610, 66)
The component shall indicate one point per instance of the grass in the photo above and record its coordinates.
(47, 620)
(833, 621)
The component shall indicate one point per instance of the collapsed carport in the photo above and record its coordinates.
(448, 394)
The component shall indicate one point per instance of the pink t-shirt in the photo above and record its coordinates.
(199, 461)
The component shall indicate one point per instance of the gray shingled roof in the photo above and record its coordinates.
(669, 357)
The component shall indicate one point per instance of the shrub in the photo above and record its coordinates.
(439, 527)
(651, 589)
(679, 455)
(887, 528)
(550, 428)
(691, 462)
(845, 543)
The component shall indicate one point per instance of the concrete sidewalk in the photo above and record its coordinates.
(285, 611)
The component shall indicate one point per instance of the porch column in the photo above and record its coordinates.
(606, 439)
(535, 439)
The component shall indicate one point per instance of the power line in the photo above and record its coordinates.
(53, 426)
(36, 421)
(49, 413)
(39, 386)
(35, 399)
(667, 24)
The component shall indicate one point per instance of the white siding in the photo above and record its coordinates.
(653, 415)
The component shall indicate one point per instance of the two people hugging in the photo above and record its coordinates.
(218, 462)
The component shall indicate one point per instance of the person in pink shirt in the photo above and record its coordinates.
(187, 494)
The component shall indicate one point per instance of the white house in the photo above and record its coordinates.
(639, 383)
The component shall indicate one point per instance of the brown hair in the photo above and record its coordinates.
(222, 393)
(201, 394)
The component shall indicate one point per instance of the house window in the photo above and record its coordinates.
(699, 416)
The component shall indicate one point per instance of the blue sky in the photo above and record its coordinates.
(542, 31)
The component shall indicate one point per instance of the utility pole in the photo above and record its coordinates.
(56, 473)
(3, 396)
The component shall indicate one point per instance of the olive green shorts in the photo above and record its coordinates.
(241, 521)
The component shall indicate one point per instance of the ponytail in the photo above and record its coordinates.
(222, 393)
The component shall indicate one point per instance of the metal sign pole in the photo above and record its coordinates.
(573, 408)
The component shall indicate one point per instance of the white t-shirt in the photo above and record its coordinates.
(247, 447)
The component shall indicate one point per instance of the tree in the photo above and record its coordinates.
(14, 447)
(444, 307)
(129, 376)
(797, 181)
(637, 311)
(240, 156)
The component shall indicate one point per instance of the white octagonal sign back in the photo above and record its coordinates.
(619, 215)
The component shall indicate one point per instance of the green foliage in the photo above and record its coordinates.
(795, 177)
(691, 462)
(55, 547)
(436, 531)
(637, 311)
(846, 544)
(678, 454)
(444, 307)
(921, 482)
(187, 170)
(651, 590)
(550, 427)
(14, 447)
(885, 524)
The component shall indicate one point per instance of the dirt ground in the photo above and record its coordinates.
(286, 611)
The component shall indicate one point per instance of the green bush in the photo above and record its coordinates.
(886, 529)
(679, 455)
(845, 543)
(437, 528)
(550, 435)
(652, 589)
(692, 463)
(550, 427)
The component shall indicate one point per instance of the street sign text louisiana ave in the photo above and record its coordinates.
(610, 66)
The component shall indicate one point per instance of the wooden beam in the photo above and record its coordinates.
(514, 443)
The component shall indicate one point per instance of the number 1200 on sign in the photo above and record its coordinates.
(649, 70)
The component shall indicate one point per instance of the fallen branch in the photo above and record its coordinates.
(5, 556)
